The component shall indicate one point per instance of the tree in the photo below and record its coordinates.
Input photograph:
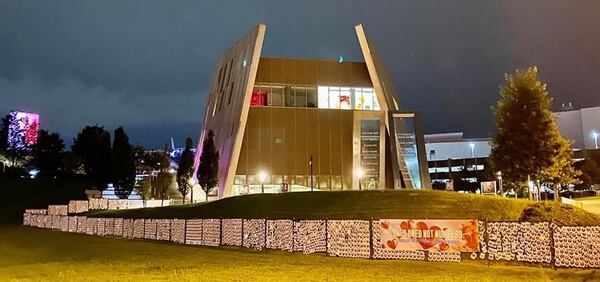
(186, 170)
(164, 179)
(6, 121)
(528, 143)
(70, 163)
(124, 164)
(92, 146)
(145, 188)
(208, 170)
(590, 173)
(48, 152)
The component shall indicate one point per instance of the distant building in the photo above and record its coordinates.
(449, 153)
(581, 126)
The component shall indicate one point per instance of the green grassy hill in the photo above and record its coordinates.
(18, 194)
(358, 205)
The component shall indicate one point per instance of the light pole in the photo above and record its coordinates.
(359, 173)
(263, 176)
(499, 176)
(311, 173)
(472, 145)
(595, 135)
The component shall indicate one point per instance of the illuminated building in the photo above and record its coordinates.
(580, 126)
(23, 130)
(296, 124)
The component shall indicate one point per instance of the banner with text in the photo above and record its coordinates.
(424, 234)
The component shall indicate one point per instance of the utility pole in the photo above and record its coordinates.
(311, 173)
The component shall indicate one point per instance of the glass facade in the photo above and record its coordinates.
(307, 96)
(280, 143)
(347, 98)
(407, 152)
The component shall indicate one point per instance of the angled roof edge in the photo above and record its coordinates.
(384, 87)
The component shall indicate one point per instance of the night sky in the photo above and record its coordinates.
(146, 65)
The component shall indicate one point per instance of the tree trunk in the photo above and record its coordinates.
(192, 194)
(206, 195)
(556, 193)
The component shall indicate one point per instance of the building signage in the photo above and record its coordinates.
(432, 235)
(488, 187)
(369, 154)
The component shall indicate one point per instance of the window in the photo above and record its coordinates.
(288, 93)
(347, 98)
(276, 96)
(300, 93)
(324, 97)
(311, 97)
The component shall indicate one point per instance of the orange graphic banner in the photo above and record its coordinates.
(423, 234)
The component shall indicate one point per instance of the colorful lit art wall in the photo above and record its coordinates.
(23, 130)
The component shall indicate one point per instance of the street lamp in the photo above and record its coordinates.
(359, 173)
(595, 135)
(262, 176)
(472, 145)
(310, 163)
(499, 176)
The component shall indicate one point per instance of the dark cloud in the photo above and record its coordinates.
(146, 65)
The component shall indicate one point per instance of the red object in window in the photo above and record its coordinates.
(345, 99)
(259, 98)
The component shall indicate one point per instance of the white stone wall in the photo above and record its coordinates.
(193, 232)
(98, 204)
(232, 232)
(520, 241)
(211, 232)
(150, 229)
(178, 230)
(58, 209)
(163, 229)
(530, 242)
(280, 235)
(348, 238)
(254, 233)
(577, 246)
(78, 206)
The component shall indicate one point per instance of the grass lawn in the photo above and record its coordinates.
(37, 254)
(368, 204)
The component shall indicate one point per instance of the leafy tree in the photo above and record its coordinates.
(208, 170)
(590, 173)
(48, 151)
(124, 164)
(145, 188)
(528, 143)
(70, 163)
(164, 179)
(6, 121)
(92, 146)
(186, 170)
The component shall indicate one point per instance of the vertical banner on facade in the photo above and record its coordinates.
(369, 152)
(422, 234)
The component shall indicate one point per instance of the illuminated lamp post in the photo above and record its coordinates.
(595, 135)
(472, 145)
(499, 176)
(262, 176)
(359, 173)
